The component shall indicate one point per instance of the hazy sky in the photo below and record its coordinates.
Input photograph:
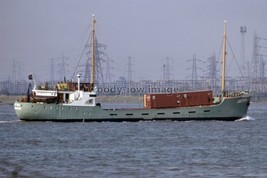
(35, 31)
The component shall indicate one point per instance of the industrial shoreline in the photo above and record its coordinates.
(6, 99)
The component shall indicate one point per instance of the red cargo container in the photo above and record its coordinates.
(160, 100)
(183, 99)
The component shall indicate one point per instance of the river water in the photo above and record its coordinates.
(134, 149)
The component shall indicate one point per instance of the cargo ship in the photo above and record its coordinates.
(76, 101)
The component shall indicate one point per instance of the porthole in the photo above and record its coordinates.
(176, 113)
(192, 112)
(144, 114)
(161, 113)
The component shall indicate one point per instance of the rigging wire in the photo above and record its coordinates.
(242, 76)
(228, 68)
(218, 57)
(80, 42)
(81, 56)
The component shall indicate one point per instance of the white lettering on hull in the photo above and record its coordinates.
(242, 100)
(17, 106)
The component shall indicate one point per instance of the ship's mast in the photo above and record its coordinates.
(224, 59)
(93, 52)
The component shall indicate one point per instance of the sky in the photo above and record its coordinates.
(35, 31)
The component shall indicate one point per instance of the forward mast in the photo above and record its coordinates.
(224, 59)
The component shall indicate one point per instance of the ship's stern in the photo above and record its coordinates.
(18, 108)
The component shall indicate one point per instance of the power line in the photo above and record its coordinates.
(194, 75)
(129, 78)
(63, 68)
(52, 72)
(166, 68)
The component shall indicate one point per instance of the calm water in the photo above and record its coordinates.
(140, 149)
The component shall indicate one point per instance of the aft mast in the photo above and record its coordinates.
(224, 59)
(93, 53)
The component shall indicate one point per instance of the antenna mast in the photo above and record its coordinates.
(224, 59)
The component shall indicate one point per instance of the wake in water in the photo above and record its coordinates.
(13, 121)
(5, 113)
(246, 118)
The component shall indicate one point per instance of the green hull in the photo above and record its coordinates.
(229, 109)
